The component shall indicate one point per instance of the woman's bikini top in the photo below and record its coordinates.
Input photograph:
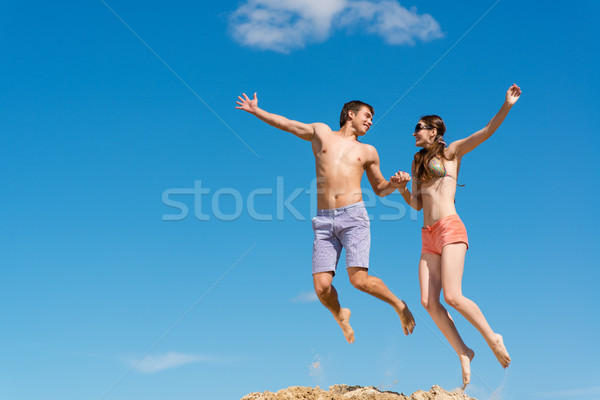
(436, 169)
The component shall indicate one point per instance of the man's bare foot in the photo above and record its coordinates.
(406, 319)
(343, 321)
(500, 351)
(465, 364)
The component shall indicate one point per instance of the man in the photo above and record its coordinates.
(342, 219)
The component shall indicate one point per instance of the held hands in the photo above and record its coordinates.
(400, 179)
(512, 95)
(246, 104)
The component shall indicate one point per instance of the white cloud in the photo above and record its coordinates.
(285, 25)
(571, 392)
(395, 24)
(151, 364)
(305, 297)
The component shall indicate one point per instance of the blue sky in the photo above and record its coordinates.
(97, 270)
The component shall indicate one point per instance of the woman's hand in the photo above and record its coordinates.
(400, 179)
(512, 95)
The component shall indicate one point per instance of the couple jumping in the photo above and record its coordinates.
(342, 219)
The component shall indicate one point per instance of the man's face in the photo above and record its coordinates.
(362, 120)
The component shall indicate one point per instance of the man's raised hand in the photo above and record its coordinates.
(246, 104)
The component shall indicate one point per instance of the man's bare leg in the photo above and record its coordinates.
(453, 258)
(374, 286)
(431, 287)
(329, 298)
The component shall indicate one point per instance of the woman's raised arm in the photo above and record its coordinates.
(463, 146)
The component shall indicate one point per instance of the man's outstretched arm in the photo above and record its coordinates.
(300, 129)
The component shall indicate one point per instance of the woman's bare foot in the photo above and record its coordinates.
(343, 321)
(465, 364)
(500, 351)
(406, 319)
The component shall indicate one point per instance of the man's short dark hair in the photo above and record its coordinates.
(355, 106)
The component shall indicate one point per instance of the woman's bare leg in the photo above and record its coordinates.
(453, 261)
(430, 278)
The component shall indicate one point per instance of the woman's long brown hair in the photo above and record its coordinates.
(423, 157)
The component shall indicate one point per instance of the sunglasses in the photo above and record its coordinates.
(421, 126)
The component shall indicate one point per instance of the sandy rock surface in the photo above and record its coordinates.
(345, 392)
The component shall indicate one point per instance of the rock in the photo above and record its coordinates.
(346, 392)
(437, 393)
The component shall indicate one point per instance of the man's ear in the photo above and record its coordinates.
(351, 115)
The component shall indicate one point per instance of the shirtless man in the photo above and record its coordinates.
(342, 219)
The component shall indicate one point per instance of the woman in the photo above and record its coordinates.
(435, 169)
